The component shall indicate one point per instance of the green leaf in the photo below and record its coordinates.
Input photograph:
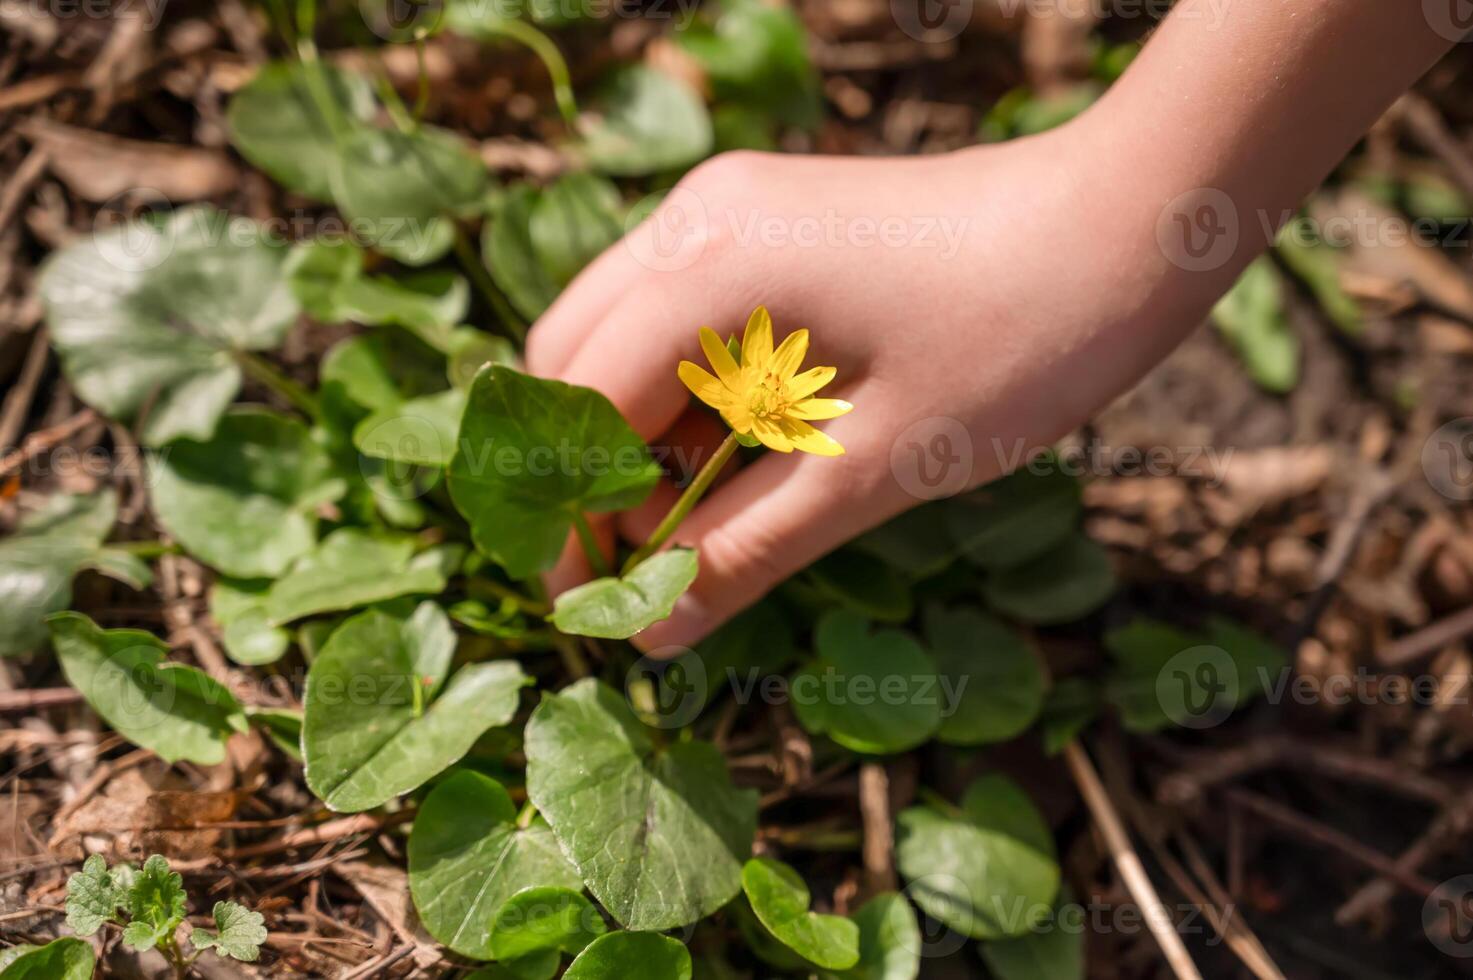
(93, 896)
(353, 568)
(617, 608)
(421, 431)
(240, 933)
(471, 350)
(780, 900)
(38, 562)
(1048, 952)
(155, 316)
(317, 270)
(533, 452)
(512, 257)
(547, 919)
(1318, 266)
(401, 190)
(367, 736)
(659, 836)
(285, 118)
(889, 941)
(1058, 586)
(1015, 519)
(245, 501)
(172, 709)
(238, 606)
(875, 692)
(1253, 320)
(467, 857)
(120, 566)
(60, 959)
(757, 55)
(985, 870)
(651, 123)
(282, 725)
(623, 955)
(864, 584)
(1071, 705)
(918, 541)
(997, 679)
(155, 905)
(575, 218)
(426, 302)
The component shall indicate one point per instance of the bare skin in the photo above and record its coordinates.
(1015, 291)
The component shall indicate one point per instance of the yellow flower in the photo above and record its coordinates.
(764, 396)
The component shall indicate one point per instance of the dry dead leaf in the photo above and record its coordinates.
(99, 167)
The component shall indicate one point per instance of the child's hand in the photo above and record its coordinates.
(964, 299)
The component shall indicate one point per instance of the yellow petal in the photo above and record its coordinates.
(720, 358)
(805, 384)
(805, 437)
(789, 354)
(816, 409)
(772, 435)
(703, 386)
(757, 340)
(737, 415)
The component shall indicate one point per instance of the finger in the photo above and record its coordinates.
(693, 439)
(571, 319)
(775, 517)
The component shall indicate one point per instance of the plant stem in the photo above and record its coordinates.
(476, 270)
(939, 802)
(590, 545)
(265, 372)
(422, 99)
(524, 818)
(573, 659)
(543, 47)
(528, 605)
(686, 503)
(146, 549)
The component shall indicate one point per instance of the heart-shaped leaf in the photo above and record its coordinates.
(239, 608)
(650, 123)
(327, 277)
(530, 454)
(617, 608)
(172, 709)
(511, 255)
(238, 934)
(659, 835)
(757, 55)
(368, 734)
(917, 542)
(780, 899)
(288, 119)
(67, 958)
(401, 190)
(38, 561)
(622, 955)
(863, 583)
(154, 315)
(353, 568)
(1050, 951)
(542, 920)
(993, 681)
(1017, 518)
(870, 692)
(468, 856)
(889, 941)
(421, 431)
(987, 869)
(245, 501)
(1060, 585)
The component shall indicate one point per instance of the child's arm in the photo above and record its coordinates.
(998, 296)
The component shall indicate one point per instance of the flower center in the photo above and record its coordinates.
(769, 398)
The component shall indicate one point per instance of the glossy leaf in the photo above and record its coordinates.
(875, 692)
(532, 452)
(1063, 584)
(38, 562)
(659, 835)
(511, 255)
(468, 857)
(370, 731)
(172, 709)
(780, 900)
(145, 315)
(353, 568)
(889, 941)
(239, 609)
(625, 955)
(245, 501)
(60, 959)
(547, 919)
(421, 431)
(617, 608)
(1051, 951)
(984, 869)
(998, 679)
(650, 123)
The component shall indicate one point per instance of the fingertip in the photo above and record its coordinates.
(689, 623)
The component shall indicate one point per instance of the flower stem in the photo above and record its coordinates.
(544, 48)
(484, 284)
(590, 545)
(686, 503)
(265, 372)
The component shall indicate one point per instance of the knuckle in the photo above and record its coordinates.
(744, 564)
